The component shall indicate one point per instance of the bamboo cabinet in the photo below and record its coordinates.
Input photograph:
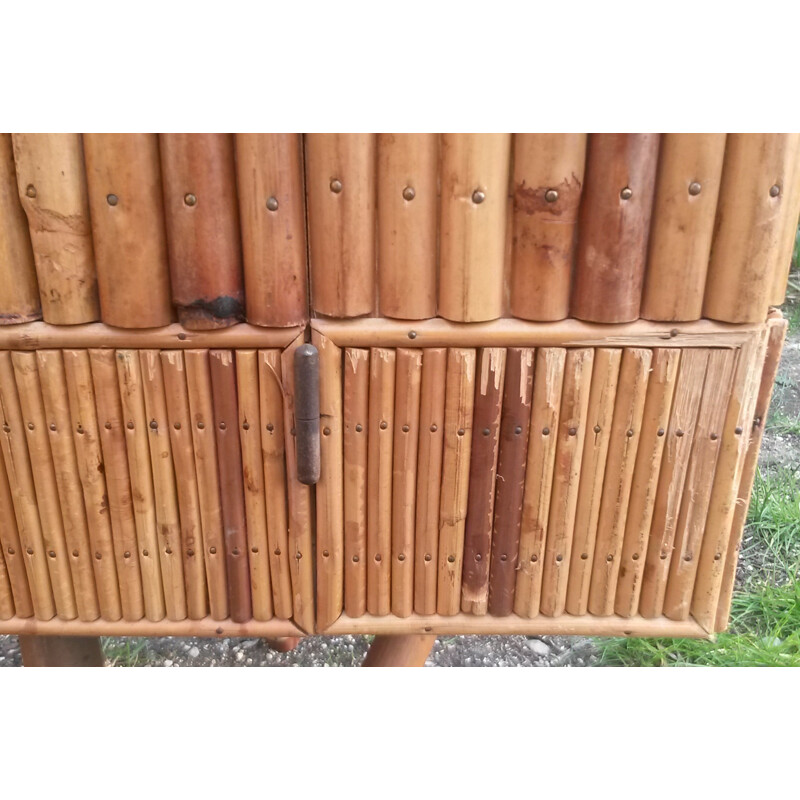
(284, 384)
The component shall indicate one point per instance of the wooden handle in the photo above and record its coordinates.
(306, 413)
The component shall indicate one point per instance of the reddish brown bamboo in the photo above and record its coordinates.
(272, 207)
(548, 180)
(614, 225)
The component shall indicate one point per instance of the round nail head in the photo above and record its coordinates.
(272, 204)
(112, 199)
(626, 193)
(336, 186)
(478, 197)
(551, 195)
(409, 193)
(30, 190)
(774, 191)
(190, 199)
(695, 188)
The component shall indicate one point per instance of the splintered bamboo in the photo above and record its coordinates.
(202, 219)
(429, 479)
(545, 410)
(614, 225)
(689, 175)
(19, 292)
(655, 419)
(44, 480)
(458, 410)
(231, 485)
(330, 487)
(752, 204)
(514, 429)
(473, 225)
(622, 452)
(356, 415)
(118, 485)
(255, 499)
(52, 187)
(123, 173)
(491, 364)
(13, 550)
(407, 224)
(166, 495)
(272, 208)
(91, 470)
(73, 514)
(787, 234)
(274, 458)
(300, 541)
(669, 492)
(408, 384)
(548, 179)
(379, 481)
(727, 477)
(340, 185)
(697, 489)
(129, 375)
(571, 433)
(198, 383)
(605, 375)
(191, 530)
(7, 609)
(777, 334)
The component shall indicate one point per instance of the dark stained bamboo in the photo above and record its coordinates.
(614, 225)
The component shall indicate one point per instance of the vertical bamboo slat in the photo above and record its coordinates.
(275, 476)
(614, 226)
(165, 492)
(689, 175)
(198, 384)
(407, 217)
(473, 225)
(678, 445)
(12, 548)
(545, 412)
(202, 218)
(340, 185)
(7, 608)
(458, 413)
(123, 174)
(514, 430)
(697, 489)
(19, 292)
(330, 487)
(379, 480)
(429, 478)
(571, 434)
(356, 414)
(655, 419)
(73, 514)
(131, 391)
(91, 470)
(255, 502)
(625, 434)
(408, 384)
(751, 208)
(180, 435)
(231, 485)
(272, 208)
(51, 179)
(787, 234)
(605, 375)
(488, 403)
(548, 179)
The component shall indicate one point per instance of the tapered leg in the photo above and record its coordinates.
(399, 651)
(282, 644)
(61, 651)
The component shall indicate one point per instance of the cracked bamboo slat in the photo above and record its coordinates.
(429, 479)
(548, 180)
(51, 178)
(12, 548)
(605, 375)
(7, 608)
(272, 208)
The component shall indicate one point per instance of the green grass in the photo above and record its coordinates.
(130, 652)
(783, 424)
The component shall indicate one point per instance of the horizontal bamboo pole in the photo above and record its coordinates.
(40, 335)
(564, 625)
(518, 333)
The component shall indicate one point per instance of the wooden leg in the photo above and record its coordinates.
(399, 651)
(282, 644)
(61, 651)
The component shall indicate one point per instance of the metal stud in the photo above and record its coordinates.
(478, 196)
(518, 430)
(272, 204)
(405, 428)
(630, 433)
(384, 425)
(359, 428)
(461, 431)
(30, 190)
(486, 431)
(695, 188)
(551, 195)
(336, 186)
(409, 193)
(774, 191)
(412, 334)
(190, 199)
(626, 193)
(597, 429)
(153, 425)
(112, 199)
(572, 431)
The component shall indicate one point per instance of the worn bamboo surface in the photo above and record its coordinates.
(7, 609)
(269, 169)
(123, 173)
(51, 179)
(548, 181)
(21, 601)
(19, 291)
(787, 234)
